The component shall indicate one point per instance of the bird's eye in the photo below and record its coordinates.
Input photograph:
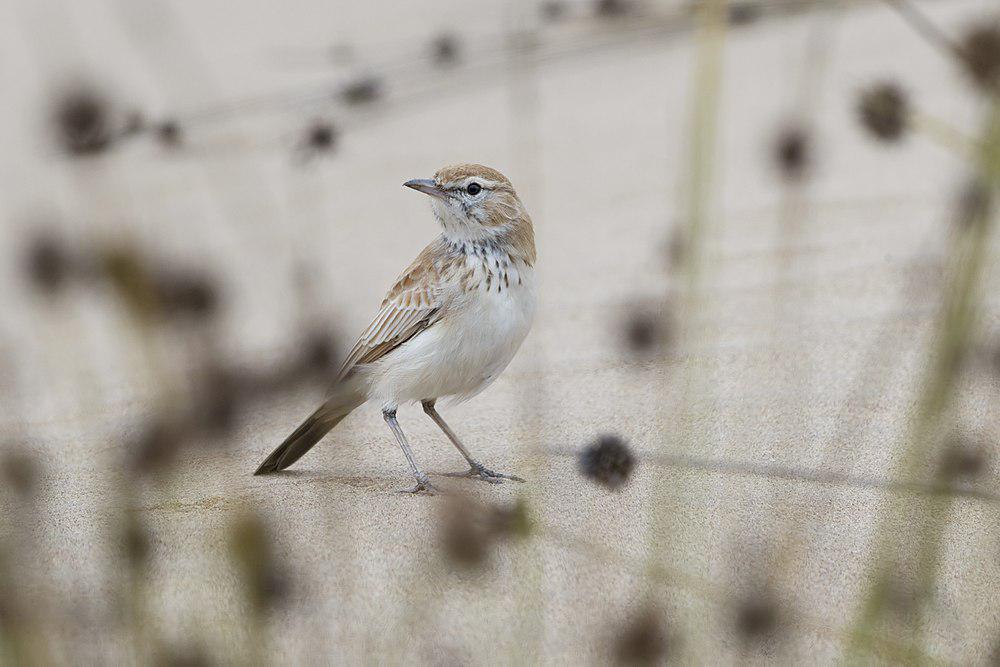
(473, 188)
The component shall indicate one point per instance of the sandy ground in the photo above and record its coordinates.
(813, 366)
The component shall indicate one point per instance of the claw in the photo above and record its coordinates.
(423, 486)
(478, 471)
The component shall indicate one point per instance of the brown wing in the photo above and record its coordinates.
(413, 304)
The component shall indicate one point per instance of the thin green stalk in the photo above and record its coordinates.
(696, 193)
(528, 632)
(944, 134)
(954, 332)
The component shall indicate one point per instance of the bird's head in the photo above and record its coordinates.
(475, 203)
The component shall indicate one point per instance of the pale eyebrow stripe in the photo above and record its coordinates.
(486, 183)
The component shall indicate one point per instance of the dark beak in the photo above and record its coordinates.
(427, 186)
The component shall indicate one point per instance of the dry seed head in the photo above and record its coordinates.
(980, 53)
(465, 535)
(222, 395)
(646, 331)
(744, 12)
(793, 152)
(48, 263)
(613, 8)
(445, 49)
(607, 461)
(186, 295)
(250, 546)
(884, 111)
(81, 119)
(136, 543)
(169, 134)
(156, 447)
(643, 640)
(20, 472)
(553, 10)
(962, 459)
(362, 91)
(757, 617)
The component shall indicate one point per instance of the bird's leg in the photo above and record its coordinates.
(476, 469)
(423, 482)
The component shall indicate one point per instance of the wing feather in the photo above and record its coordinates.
(414, 303)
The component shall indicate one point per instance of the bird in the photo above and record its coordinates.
(449, 325)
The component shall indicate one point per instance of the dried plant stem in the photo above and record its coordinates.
(814, 475)
(528, 632)
(424, 83)
(703, 113)
(924, 26)
(958, 317)
(695, 193)
(944, 134)
(794, 208)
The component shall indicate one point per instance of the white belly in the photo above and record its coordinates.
(460, 355)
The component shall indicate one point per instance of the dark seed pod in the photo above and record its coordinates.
(321, 136)
(756, 618)
(445, 49)
(608, 461)
(155, 449)
(48, 264)
(169, 134)
(553, 10)
(82, 122)
(884, 111)
(744, 12)
(646, 332)
(19, 472)
(318, 352)
(962, 459)
(250, 545)
(362, 91)
(792, 153)
(643, 640)
(980, 52)
(135, 542)
(223, 395)
(188, 295)
(613, 8)
(465, 538)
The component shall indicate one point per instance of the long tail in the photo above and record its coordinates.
(309, 433)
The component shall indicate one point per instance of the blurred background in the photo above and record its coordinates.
(756, 411)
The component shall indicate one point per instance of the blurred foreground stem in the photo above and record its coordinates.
(711, 19)
(697, 202)
(954, 330)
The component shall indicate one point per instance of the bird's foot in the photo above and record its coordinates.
(478, 471)
(423, 486)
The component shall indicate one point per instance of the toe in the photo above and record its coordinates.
(425, 488)
(496, 477)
